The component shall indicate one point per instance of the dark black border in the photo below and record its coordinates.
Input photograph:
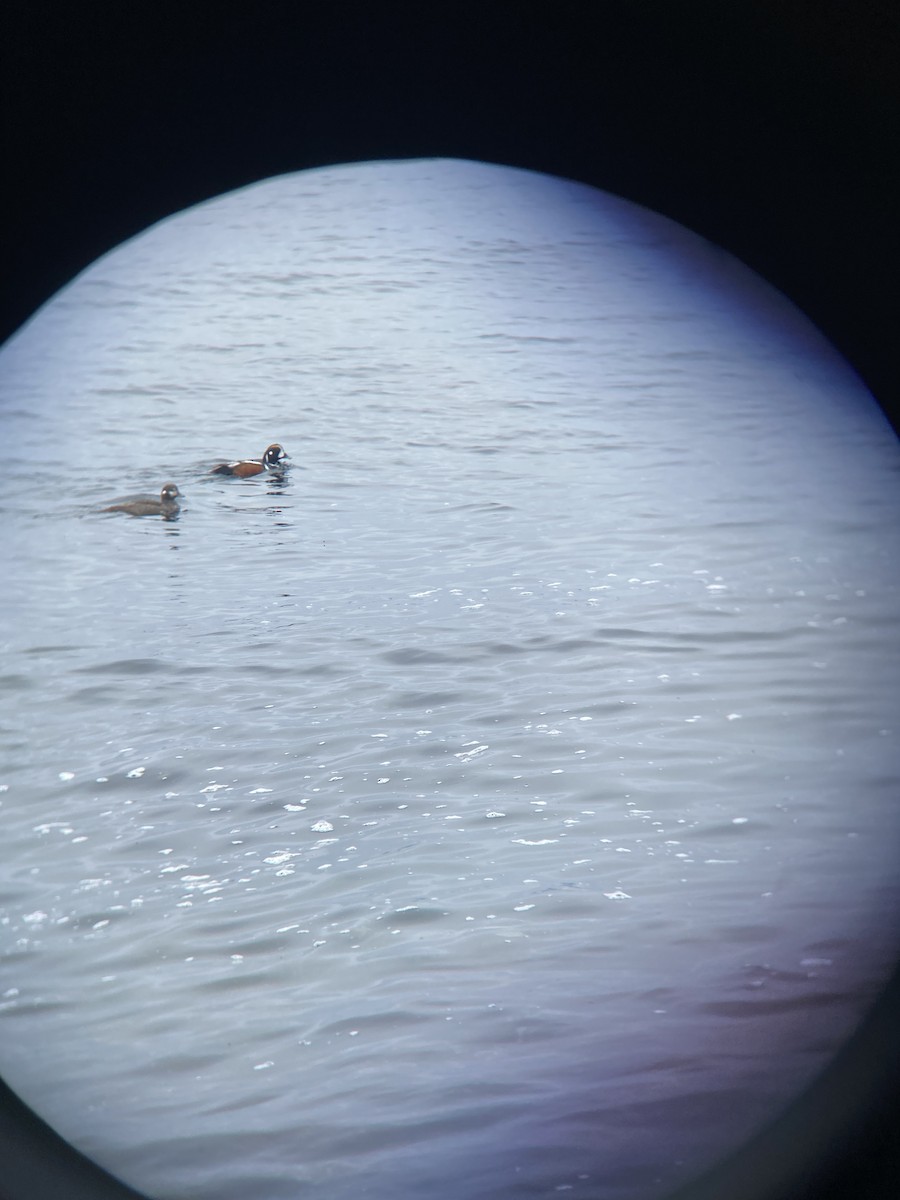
(769, 127)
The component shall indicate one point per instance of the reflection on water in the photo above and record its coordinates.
(501, 798)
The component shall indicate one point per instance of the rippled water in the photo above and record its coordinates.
(504, 800)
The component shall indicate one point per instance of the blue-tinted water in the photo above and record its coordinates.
(502, 801)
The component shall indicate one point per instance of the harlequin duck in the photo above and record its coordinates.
(272, 460)
(147, 506)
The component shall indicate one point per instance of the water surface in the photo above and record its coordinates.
(503, 801)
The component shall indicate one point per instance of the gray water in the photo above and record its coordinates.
(503, 802)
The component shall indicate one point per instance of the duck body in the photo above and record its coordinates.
(167, 505)
(272, 460)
